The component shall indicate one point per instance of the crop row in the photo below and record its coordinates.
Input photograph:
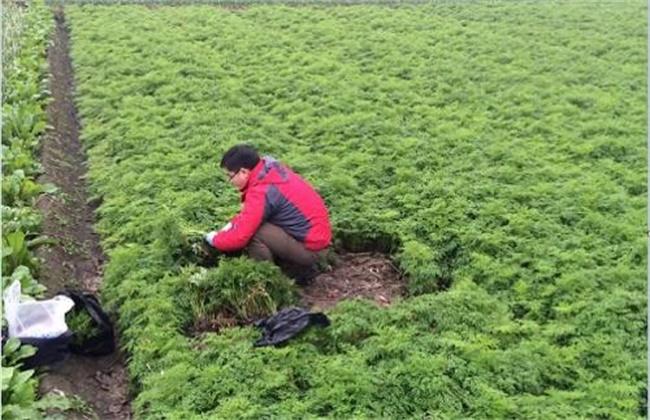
(243, 3)
(498, 150)
(23, 123)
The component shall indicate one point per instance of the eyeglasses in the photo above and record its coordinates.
(230, 177)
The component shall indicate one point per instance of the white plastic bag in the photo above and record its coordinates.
(35, 319)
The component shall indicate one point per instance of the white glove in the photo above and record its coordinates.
(209, 237)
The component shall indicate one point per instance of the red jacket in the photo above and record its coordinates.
(277, 195)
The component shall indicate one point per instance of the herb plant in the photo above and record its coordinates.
(497, 150)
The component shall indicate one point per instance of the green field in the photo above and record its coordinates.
(496, 149)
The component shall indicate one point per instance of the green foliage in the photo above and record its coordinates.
(28, 284)
(18, 393)
(25, 122)
(183, 244)
(13, 25)
(416, 261)
(81, 325)
(19, 386)
(238, 288)
(13, 352)
(25, 219)
(16, 253)
(20, 190)
(498, 151)
(25, 30)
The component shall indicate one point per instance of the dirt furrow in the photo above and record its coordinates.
(76, 259)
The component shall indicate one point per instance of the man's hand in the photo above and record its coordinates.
(209, 237)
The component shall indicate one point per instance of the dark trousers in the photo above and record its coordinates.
(272, 243)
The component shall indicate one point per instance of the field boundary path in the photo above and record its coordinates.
(76, 259)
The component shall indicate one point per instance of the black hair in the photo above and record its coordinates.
(240, 156)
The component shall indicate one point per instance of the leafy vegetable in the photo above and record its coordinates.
(498, 150)
(81, 325)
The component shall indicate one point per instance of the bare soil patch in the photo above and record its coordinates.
(215, 323)
(367, 275)
(76, 260)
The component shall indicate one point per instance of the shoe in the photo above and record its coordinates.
(305, 275)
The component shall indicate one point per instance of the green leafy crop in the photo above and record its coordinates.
(237, 289)
(82, 326)
(496, 149)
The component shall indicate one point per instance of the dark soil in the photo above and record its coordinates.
(76, 260)
(367, 275)
(214, 323)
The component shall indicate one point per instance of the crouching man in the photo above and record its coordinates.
(282, 218)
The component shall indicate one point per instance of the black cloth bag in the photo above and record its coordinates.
(286, 324)
(52, 350)
(48, 350)
(103, 342)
